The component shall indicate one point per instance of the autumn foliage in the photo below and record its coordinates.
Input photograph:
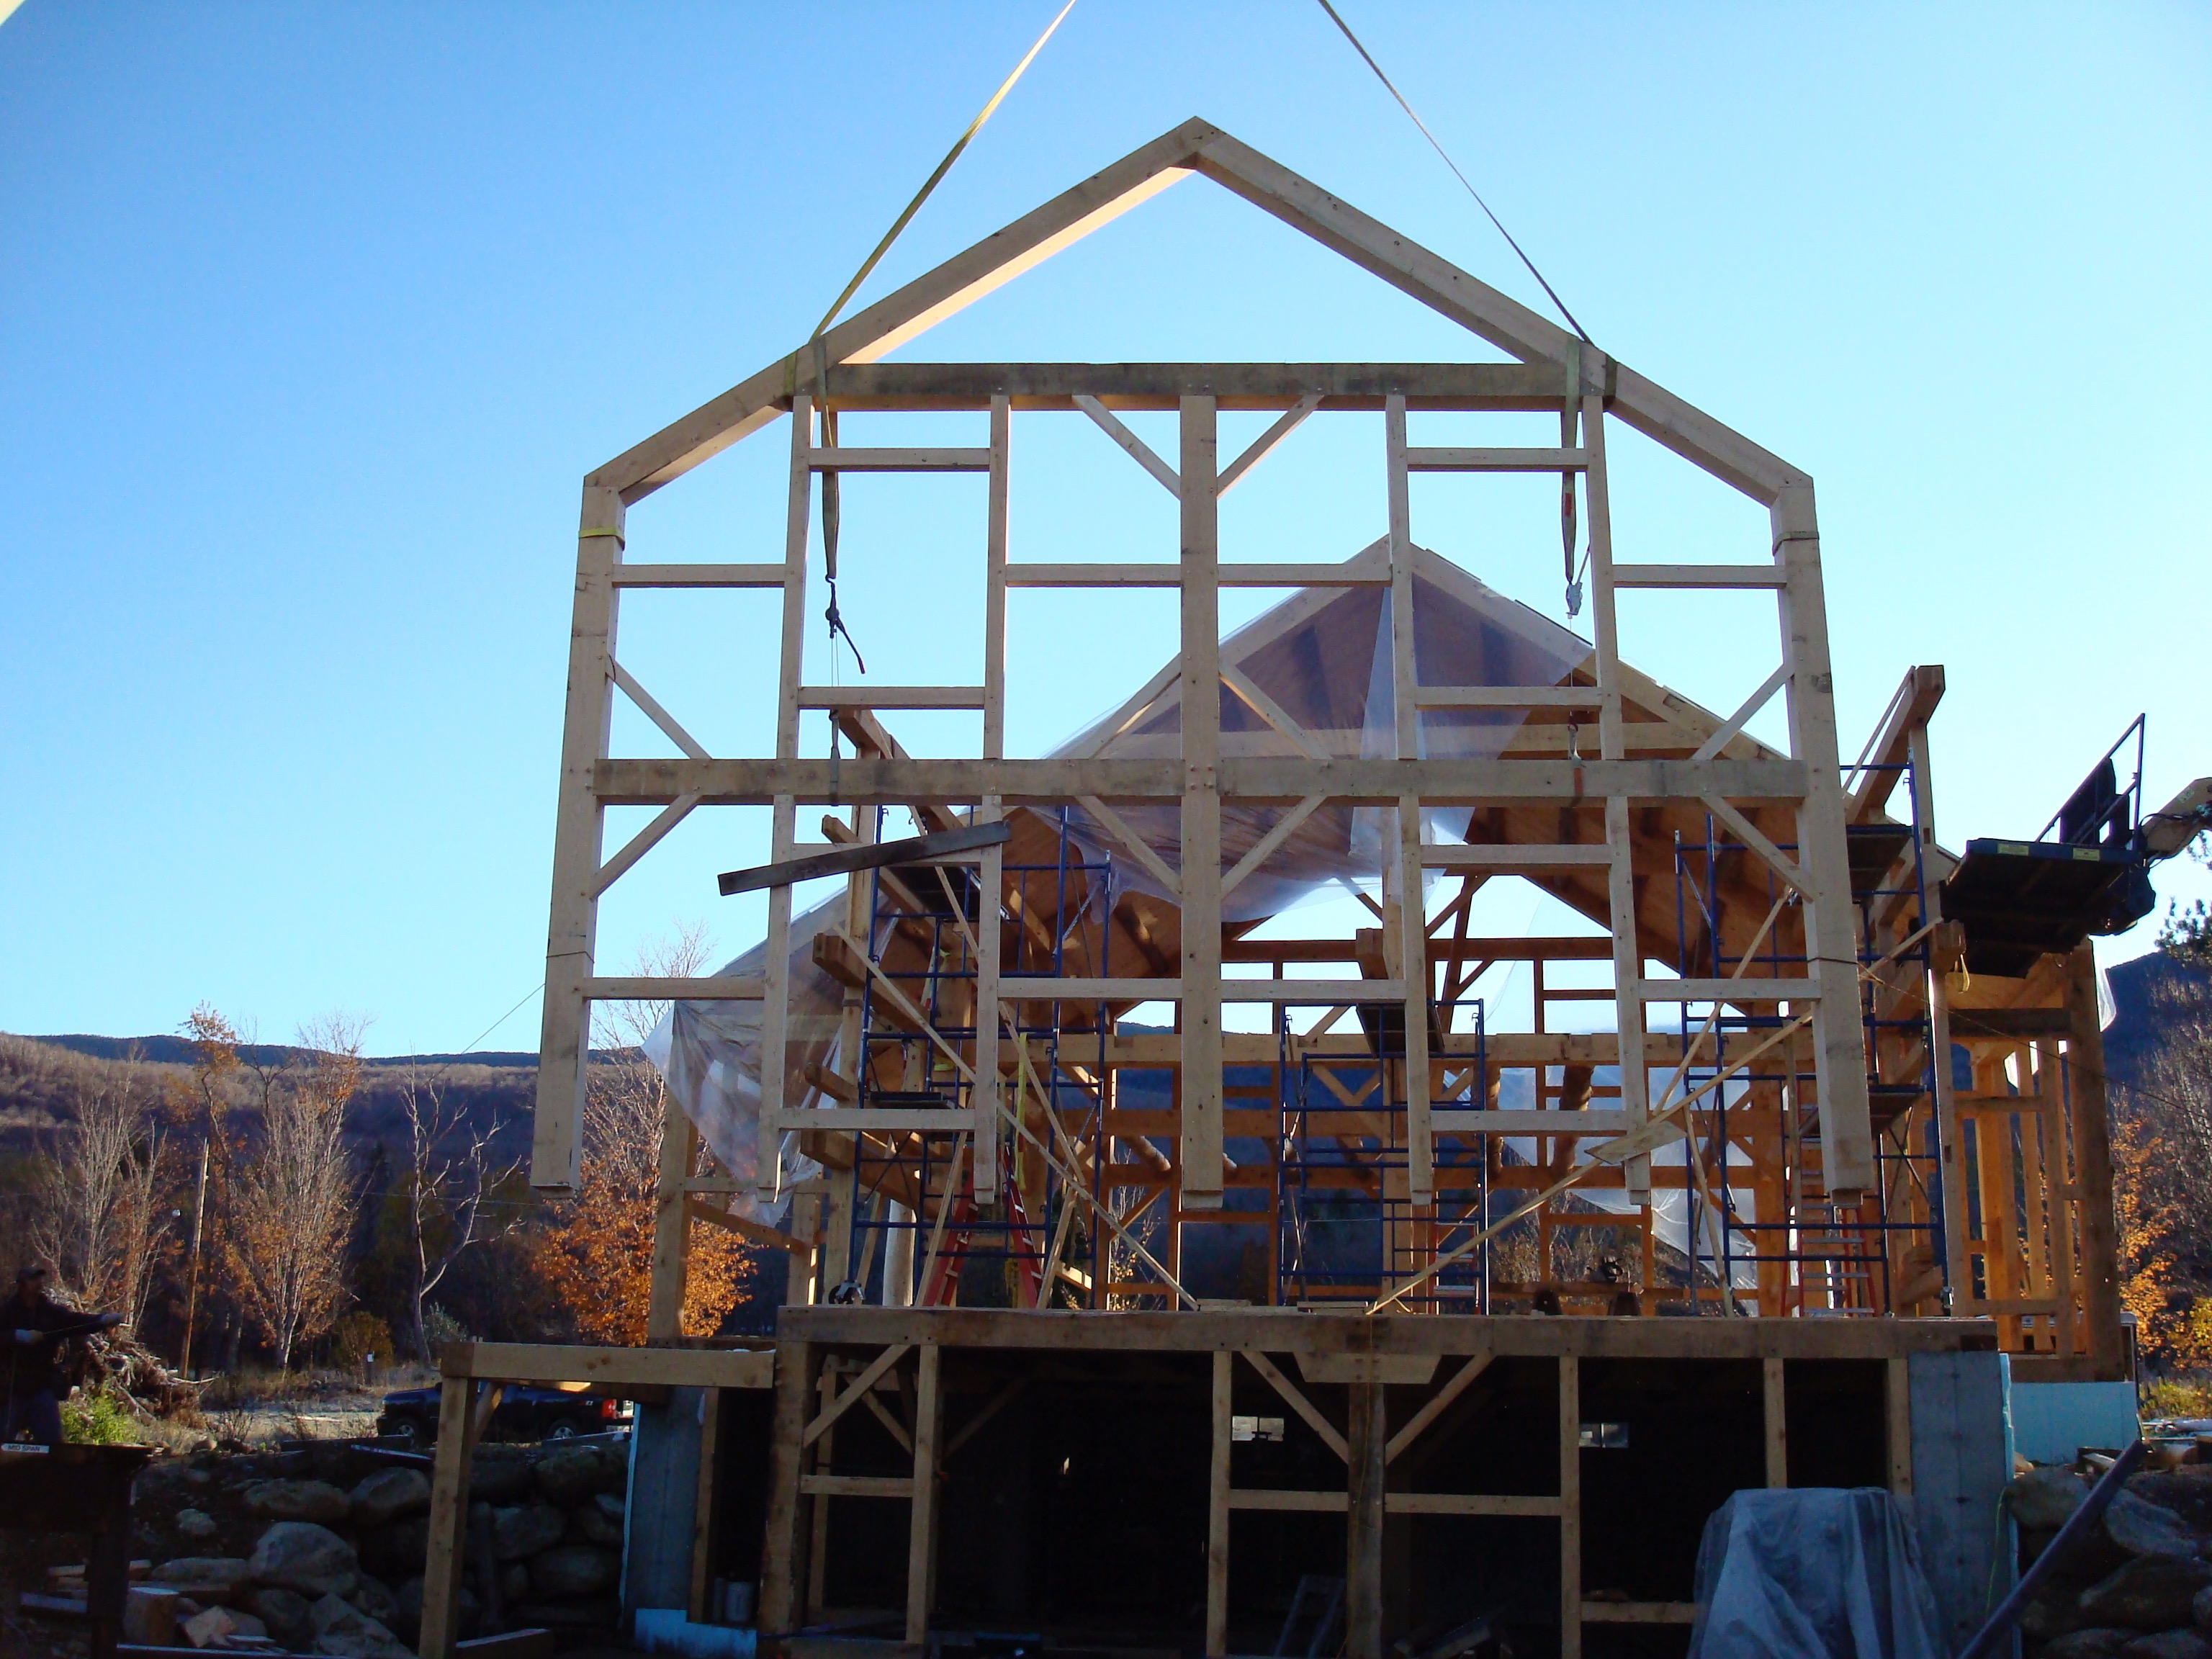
(599, 1253)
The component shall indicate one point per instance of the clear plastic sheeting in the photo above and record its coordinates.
(1318, 664)
(1820, 1573)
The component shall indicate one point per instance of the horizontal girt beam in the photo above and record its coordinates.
(1053, 782)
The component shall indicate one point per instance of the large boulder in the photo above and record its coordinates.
(299, 1555)
(572, 1569)
(2042, 1499)
(600, 1521)
(348, 1633)
(2093, 1644)
(572, 1475)
(2202, 1608)
(2152, 1592)
(2186, 1491)
(196, 1524)
(498, 1479)
(2168, 1644)
(525, 1530)
(389, 1495)
(297, 1500)
(2142, 1528)
(205, 1577)
(286, 1613)
(373, 1597)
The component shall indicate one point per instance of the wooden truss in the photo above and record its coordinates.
(1594, 826)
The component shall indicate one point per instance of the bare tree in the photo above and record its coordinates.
(293, 1202)
(95, 1216)
(450, 1183)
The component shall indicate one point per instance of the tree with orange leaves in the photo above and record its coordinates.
(600, 1251)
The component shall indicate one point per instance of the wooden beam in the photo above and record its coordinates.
(880, 329)
(1774, 1414)
(449, 1508)
(1137, 449)
(1216, 1508)
(780, 1563)
(1364, 1520)
(638, 782)
(1435, 1405)
(1492, 386)
(613, 1368)
(1261, 1331)
(1496, 460)
(703, 1508)
(1570, 1507)
(1305, 1408)
(853, 1392)
(921, 1534)
(845, 860)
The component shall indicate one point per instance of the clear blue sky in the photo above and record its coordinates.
(313, 318)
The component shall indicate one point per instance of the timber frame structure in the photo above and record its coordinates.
(1789, 975)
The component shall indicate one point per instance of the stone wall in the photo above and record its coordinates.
(321, 1549)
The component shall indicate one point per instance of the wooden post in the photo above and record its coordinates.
(775, 1006)
(921, 1536)
(1775, 1414)
(991, 875)
(564, 1043)
(1840, 1059)
(1413, 945)
(1200, 1165)
(1620, 874)
(1896, 1385)
(1217, 1510)
(449, 1508)
(779, 1550)
(702, 1506)
(1369, 1443)
(679, 1140)
(2093, 1154)
(1570, 1507)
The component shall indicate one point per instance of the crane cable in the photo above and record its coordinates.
(830, 503)
(1390, 87)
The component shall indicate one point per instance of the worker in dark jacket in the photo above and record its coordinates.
(37, 1328)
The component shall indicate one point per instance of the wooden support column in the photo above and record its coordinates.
(1897, 1389)
(671, 1224)
(775, 1006)
(2093, 1156)
(449, 1508)
(1774, 1412)
(1570, 1507)
(921, 1534)
(703, 1506)
(564, 1043)
(991, 875)
(1840, 1059)
(1368, 1443)
(787, 1452)
(1199, 1166)
(1620, 874)
(1217, 1510)
(1412, 920)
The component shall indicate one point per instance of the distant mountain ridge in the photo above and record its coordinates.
(172, 1050)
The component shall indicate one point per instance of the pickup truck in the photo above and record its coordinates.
(523, 1414)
